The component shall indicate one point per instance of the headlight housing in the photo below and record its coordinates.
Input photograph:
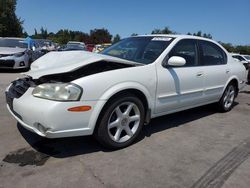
(19, 54)
(58, 91)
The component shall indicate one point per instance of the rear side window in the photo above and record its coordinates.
(187, 49)
(211, 54)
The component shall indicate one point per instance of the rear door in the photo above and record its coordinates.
(216, 71)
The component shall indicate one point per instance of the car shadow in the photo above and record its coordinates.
(246, 92)
(73, 146)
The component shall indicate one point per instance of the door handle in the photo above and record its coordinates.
(227, 71)
(199, 74)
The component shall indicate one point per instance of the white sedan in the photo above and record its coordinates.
(113, 94)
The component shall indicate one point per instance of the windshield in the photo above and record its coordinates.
(139, 49)
(74, 47)
(247, 57)
(13, 43)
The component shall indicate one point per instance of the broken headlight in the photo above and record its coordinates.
(58, 91)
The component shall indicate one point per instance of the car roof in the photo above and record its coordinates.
(179, 36)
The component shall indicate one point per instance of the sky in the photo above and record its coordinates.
(226, 20)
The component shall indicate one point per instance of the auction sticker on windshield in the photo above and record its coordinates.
(161, 39)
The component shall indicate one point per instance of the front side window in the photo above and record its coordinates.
(186, 49)
(143, 50)
(211, 54)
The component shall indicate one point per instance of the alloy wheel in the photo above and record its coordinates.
(124, 122)
(229, 97)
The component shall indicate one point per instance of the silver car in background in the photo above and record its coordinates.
(16, 54)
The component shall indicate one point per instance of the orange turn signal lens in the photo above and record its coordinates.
(80, 109)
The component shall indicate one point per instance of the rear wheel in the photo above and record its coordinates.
(121, 121)
(227, 99)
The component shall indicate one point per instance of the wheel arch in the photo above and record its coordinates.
(135, 88)
(132, 87)
(233, 80)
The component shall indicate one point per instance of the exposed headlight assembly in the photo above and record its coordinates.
(19, 54)
(58, 91)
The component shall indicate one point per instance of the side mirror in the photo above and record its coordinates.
(176, 61)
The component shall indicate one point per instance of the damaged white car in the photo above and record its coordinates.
(113, 94)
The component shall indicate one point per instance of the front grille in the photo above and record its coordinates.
(16, 90)
(7, 63)
(20, 86)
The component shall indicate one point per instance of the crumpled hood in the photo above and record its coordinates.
(7, 50)
(61, 62)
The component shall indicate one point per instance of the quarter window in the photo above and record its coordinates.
(188, 50)
(211, 54)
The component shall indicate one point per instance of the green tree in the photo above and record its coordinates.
(63, 36)
(165, 30)
(116, 38)
(156, 31)
(236, 49)
(10, 25)
(200, 34)
(98, 36)
(25, 34)
(134, 34)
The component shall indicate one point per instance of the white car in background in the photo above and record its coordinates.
(14, 53)
(74, 45)
(113, 94)
(245, 60)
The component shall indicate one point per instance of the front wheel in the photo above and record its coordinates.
(121, 121)
(227, 99)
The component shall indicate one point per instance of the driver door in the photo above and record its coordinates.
(180, 87)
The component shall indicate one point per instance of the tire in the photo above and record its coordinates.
(227, 100)
(120, 122)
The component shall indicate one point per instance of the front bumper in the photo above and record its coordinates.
(52, 119)
(12, 62)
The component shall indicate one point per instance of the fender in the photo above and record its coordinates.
(229, 80)
(116, 89)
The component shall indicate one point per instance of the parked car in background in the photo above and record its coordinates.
(46, 45)
(242, 58)
(245, 60)
(90, 47)
(247, 57)
(113, 94)
(15, 53)
(100, 47)
(73, 46)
